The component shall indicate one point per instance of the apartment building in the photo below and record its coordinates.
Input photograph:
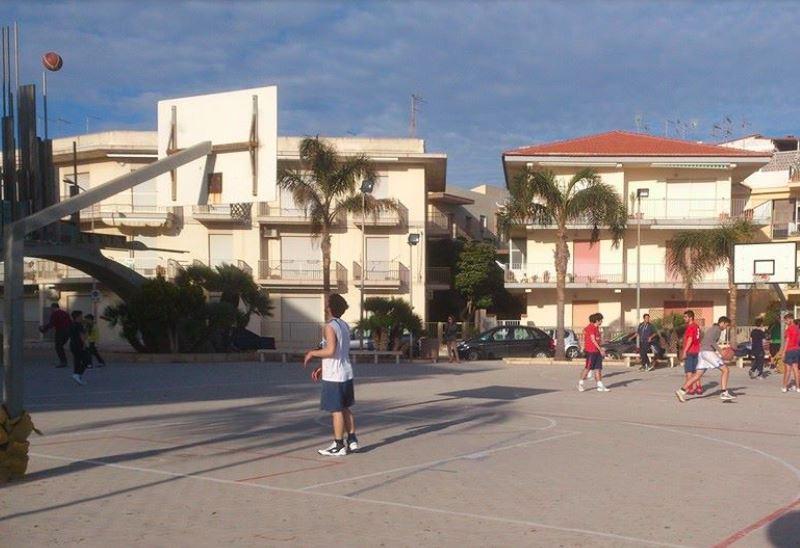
(272, 240)
(668, 185)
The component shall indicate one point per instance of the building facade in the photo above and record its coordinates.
(687, 186)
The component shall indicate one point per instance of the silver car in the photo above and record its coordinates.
(572, 346)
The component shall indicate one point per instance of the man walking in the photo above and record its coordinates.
(757, 336)
(59, 322)
(646, 333)
(691, 350)
(710, 359)
(790, 353)
(594, 353)
(336, 373)
(77, 345)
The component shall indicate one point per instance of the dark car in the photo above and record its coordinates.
(244, 339)
(622, 344)
(505, 342)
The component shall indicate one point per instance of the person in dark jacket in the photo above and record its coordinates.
(77, 345)
(59, 322)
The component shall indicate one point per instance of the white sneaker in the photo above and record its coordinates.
(602, 388)
(727, 396)
(784, 389)
(581, 387)
(333, 451)
(79, 379)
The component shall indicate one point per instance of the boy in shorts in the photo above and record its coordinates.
(790, 353)
(336, 374)
(594, 353)
(710, 358)
(691, 350)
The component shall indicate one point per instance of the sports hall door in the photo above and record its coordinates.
(703, 310)
(581, 310)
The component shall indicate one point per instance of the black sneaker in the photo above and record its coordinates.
(352, 443)
(59, 366)
(333, 450)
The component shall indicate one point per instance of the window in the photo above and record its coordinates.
(220, 249)
(522, 334)
(83, 181)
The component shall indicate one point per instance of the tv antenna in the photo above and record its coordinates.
(416, 100)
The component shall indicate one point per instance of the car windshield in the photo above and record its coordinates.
(622, 337)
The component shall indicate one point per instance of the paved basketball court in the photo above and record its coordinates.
(477, 454)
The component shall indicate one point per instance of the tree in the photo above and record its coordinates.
(538, 196)
(388, 319)
(325, 187)
(479, 277)
(693, 253)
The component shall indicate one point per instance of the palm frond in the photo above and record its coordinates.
(599, 205)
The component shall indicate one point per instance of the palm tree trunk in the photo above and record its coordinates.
(326, 267)
(732, 294)
(561, 282)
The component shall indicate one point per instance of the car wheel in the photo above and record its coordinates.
(572, 352)
(615, 355)
(541, 354)
(473, 355)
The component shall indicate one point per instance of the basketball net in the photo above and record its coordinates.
(760, 281)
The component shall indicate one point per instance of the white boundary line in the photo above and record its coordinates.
(475, 455)
(440, 511)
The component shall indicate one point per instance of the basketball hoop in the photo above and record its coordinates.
(760, 281)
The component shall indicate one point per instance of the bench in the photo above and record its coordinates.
(375, 354)
(284, 354)
(628, 356)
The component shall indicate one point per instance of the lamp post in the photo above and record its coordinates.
(74, 192)
(413, 240)
(640, 193)
(366, 188)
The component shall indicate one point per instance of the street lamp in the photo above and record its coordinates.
(367, 185)
(413, 240)
(73, 191)
(640, 193)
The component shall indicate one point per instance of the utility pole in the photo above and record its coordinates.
(415, 102)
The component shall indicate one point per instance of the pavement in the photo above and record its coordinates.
(475, 454)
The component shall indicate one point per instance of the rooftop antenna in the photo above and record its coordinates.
(415, 102)
(638, 119)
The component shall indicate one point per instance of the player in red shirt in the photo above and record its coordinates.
(791, 353)
(691, 350)
(594, 353)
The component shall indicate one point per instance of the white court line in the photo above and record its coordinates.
(475, 455)
(779, 460)
(468, 515)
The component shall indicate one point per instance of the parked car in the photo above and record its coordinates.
(507, 341)
(572, 346)
(622, 344)
(355, 340)
(744, 350)
(244, 339)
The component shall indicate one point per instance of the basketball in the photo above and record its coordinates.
(728, 353)
(52, 61)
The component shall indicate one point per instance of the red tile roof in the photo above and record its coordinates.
(622, 143)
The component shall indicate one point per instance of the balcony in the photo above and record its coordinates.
(439, 225)
(383, 274)
(613, 275)
(694, 213)
(437, 277)
(128, 215)
(276, 215)
(785, 231)
(225, 213)
(298, 274)
(382, 218)
(40, 271)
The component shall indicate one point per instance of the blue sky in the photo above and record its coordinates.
(494, 75)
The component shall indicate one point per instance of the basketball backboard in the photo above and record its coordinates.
(242, 126)
(770, 262)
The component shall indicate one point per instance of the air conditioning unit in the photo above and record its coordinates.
(267, 232)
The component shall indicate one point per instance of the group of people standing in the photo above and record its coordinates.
(81, 333)
(701, 352)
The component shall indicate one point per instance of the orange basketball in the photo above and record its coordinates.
(728, 353)
(52, 61)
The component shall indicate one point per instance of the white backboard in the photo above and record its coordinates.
(243, 129)
(768, 262)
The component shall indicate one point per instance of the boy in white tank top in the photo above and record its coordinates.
(336, 373)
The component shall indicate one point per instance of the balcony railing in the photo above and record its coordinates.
(691, 211)
(238, 213)
(129, 215)
(267, 213)
(603, 273)
(438, 276)
(782, 231)
(43, 271)
(383, 273)
(298, 272)
(382, 218)
(439, 224)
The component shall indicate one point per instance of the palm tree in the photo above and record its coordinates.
(538, 196)
(693, 253)
(325, 187)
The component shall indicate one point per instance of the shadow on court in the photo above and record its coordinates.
(784, 532)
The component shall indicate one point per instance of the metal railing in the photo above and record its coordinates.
(41, 270)
(439, 275)
(379, 271)
(438, 223)
(244, 267)
(299, 271)
(385, 217)
(232, 212)
(544, 273)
